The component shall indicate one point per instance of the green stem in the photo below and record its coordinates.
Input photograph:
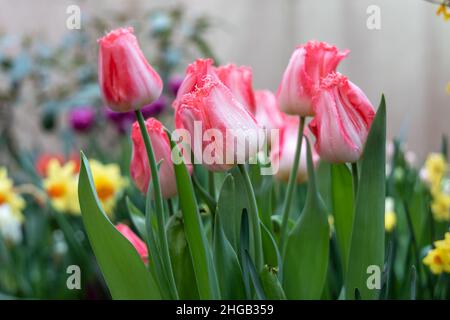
(159, 204)
(355, 178)
(290, 188)
(254, 217)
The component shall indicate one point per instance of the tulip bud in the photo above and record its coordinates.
(239, 81)
(137, 243)
(139, 167)
(283, 154)
(267, 112)
(195, 74)
(127, 81)
(308, 65)
(222, 132)
(343, 118)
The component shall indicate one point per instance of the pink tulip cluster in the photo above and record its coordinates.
(221, 98)
(342, 112)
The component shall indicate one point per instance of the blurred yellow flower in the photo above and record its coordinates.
(448, 87)
(108, 182)
(61, 186)
(9, 197)
(390, 221)
(440, 206)
(390, 218)
(435, 168)
(442, 9)
(438, 259)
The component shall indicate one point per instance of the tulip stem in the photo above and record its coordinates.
(254, 216)
(159, 204)
(290, 188)
(355, 178)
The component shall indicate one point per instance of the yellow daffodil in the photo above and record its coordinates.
(442, 9)
(445, 243)
(108, 182)
(438, 259)
(61, 186)
(9, 197)
(435, 168)
(440, 206)
(448, 88)
(390, 217)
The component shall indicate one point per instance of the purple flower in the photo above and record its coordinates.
(154, 108)
(175, 83)
(81, 119)
(121, 120)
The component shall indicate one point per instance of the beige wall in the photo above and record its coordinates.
(408, 59)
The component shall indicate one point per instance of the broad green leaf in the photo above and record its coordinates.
(207, 283)
(229, 215)
(227, 265)
(181, 259)
(121, 265)
(307, 250)
(343, 210)
(271, 285)
(367, 241)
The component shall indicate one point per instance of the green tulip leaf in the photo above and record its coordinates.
(367, 241)
(121, 265)
(307, 250)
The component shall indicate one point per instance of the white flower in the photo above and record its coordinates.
(10, 225)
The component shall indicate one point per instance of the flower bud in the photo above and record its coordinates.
(343, 118)
(137, 243)
(140, 168)
(239, 81)
(127, 81)
(308, 65)
(223, 132)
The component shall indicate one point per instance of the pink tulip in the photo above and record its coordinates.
(229, 134)
(343, 118)
(127, 81)
(308, 65)
(139, 167)
(239, 81)
(195, 74)
(267, 112)
(282, 155)
(137, 243)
